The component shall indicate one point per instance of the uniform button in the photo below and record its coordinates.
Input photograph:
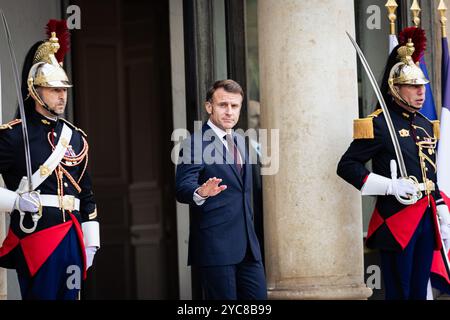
(55, 134)
(65, 184)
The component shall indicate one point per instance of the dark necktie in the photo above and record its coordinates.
(232, 149)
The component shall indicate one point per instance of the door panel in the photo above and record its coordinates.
(121, 73)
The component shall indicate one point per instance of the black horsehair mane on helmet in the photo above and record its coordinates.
(28, 62)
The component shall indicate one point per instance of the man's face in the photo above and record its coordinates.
(54, 98)
(224, 109)
(413, 94)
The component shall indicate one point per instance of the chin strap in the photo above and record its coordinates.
(51, 111)
(397, 95)
(39, 100)
(35, 95)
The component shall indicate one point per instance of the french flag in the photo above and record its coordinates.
(443, 156)
(428, 109)
(439, 277)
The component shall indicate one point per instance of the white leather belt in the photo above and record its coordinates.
(431, 187)
(69, 203)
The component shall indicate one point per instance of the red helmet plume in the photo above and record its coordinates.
(417, 35)
(63, 35)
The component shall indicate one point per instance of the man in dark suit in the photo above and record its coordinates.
(222, 240)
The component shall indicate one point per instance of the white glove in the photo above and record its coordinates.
(90, 253)
(401, 187)
(444, 223)
(379, 185)
(27, 202)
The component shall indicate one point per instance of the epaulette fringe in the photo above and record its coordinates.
(363, 128)
(436, 128)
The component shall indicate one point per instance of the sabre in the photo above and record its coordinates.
(390, 125)
(26, 141)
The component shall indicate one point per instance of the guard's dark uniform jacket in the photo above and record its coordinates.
(30, 251)
(393, 224)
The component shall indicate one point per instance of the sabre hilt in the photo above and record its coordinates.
(35, 216)
(412, 199)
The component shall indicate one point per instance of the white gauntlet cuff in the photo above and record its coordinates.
(7, 200)
(91, 234)
(375, 185)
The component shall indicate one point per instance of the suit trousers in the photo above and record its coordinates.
(243, 281)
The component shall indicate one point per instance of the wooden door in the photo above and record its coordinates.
(122, 98)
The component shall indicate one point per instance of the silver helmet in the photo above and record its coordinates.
(46, 71)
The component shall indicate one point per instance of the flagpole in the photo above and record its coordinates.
(391, 6)
(415, 9)
(442, 8)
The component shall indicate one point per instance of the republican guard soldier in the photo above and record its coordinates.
(54, 232)
(404, 225)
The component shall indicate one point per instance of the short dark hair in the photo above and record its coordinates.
(228, 85)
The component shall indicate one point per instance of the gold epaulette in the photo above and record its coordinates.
(10, 124)
(363, 128)
(436, 128)
(74, 127)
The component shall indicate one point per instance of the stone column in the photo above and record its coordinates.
(313, 224)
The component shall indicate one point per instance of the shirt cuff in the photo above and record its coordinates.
(198, 199)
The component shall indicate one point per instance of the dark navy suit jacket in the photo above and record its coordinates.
(222, 227)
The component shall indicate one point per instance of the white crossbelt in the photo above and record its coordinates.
(52, 162)
(69, 203)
